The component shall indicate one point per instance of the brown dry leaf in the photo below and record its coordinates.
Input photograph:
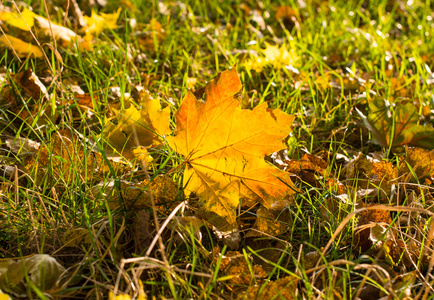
(307, 168)
(27, 85)
(137, 127)
(165, 191)
(420, 160)
(270, 222)
(75, 237)
(235, 266)
(370, 228)
(384, 175)
(187, 226)
(283, 288)
(65, 157)
(155, 34)
(370, 175)
(29, 82)
(224, 169)
(401, 285)
(140, 229)
(132, 195)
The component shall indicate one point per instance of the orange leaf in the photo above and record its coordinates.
(224, 148)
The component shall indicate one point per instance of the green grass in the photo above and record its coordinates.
(348, 53)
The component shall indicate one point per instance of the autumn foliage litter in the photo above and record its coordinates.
(131, 167)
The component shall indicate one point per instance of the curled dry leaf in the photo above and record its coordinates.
(66, 36)
(43, 271)
(28, 20)
(368, 175)
(368, 233)
(224, 148)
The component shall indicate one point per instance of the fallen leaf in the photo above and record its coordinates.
(140, 230)
(283, 288)
(156, 33)
(118, 297)
(307, 168)
(371, 227)
(59, 160)
(65, 35)
(96, 23)
(4, 296)
(396, 124)
(236, 268)
(27, 19)
(137, 127)
(131, 195)
(224, 148)
(76, 237)
(23, 20)
(275, 56)
(270, 222)
(187, 226)
(43, 271)
(23, 49)
(421, 162)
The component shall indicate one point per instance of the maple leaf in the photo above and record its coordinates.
(224, 148)
(396, 125)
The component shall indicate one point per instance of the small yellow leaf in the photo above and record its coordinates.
(118, 297)
(275, 56)
(137, 127)
(22, 48)
(96, 23)
(141, 153)
(23, 20)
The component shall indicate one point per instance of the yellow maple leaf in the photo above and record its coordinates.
(22, 48)
(137, 127)
(224, 148)
(96, 23)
